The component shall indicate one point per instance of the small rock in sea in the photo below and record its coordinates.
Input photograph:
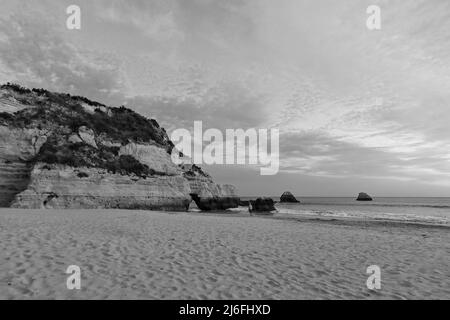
(288, 197)
(215, 203)
(364, 197)
(262, 205)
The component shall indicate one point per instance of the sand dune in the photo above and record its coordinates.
(152, 255)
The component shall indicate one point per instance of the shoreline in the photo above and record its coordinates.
(298, 217)
(338, 220)
(364, 222)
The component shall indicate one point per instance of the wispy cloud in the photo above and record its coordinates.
(39, 56)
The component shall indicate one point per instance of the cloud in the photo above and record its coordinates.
(318, 153)
(153, 19)
(37, 55)
(226, 105)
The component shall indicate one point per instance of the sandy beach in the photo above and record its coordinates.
(155, 255)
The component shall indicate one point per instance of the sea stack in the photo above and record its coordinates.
(288, 197)
(364, 197)
(215, 202)
(262, 205)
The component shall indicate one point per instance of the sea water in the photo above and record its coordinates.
(427, 210)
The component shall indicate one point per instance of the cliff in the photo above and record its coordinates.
(202, 184)
(62, 151)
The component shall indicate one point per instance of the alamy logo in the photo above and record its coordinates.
(73, 22)
(237, 146)
(374, 20)
(74, 280)
(374, 280)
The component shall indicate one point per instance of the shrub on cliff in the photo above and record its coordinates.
(119, 124)
(61, 116)
(125, 125)
(126, 164)
(5, 118)
(15, 87)
(81, 154)
(82, 175)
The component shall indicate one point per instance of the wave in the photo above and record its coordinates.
(434, 215)
(372, 204)
(367, 215)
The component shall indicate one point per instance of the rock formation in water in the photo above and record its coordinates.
(206, 194)
(362, 196)
(288, 197)
(215, 203)
(262, 205)
(62, 151)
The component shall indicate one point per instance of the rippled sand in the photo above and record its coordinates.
(152, 255)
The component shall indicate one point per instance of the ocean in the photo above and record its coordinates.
(425, 210)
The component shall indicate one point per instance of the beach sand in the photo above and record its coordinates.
(155, 255)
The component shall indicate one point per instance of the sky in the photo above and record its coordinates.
(357, 109)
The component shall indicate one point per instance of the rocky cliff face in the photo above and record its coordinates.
(202, 184)
(17, 149)
(206, 194)
(57, 187)
(60, 151)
